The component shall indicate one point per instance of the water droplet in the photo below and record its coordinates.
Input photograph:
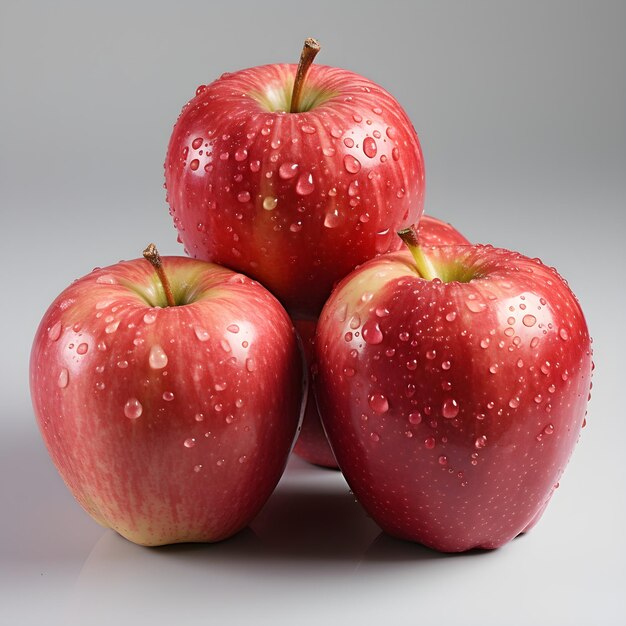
(82, 348)
(64, 378)
(484, 343)
(382, 311)
(375, 437)
(545, 368)
(250, 365)
(54, 332)
(328, 151)
(551, 389)
(549, 429)
(189, 443)
(106, 279)
(369, 147)
(429, 443)
(194, 165)
(122, 364)
(243, 459)
(348, 142)
(150, 317)
(372, 333)
(474, 305)
(529, 320)
(514, 402)
(157, 357)
(379, 403)
(241, 155)
(308, 129)
(493, 368)
(197, 468)
(450, 408)
(430, 354)
(443, 460)
(112, 327)
(415, 418)
(269, 203)
(534, 342)
(233, 328)
(331, 219)
(243, 196)
(305, 186)
(201, 333)
(480, 442)
(351, 164)
(200, 89)
(288, 170)
(446, 365)
(133, 409)
(563, 334)
(450, 317)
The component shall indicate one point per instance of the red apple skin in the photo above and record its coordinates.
(453, 408)
(434, 232)
(294, 200)
(312, 444)
(219, 381)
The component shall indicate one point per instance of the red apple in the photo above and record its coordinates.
(312, 444)
(453, 401)
(168, 423)
(293, 191)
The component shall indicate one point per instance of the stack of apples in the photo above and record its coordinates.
(451, 379)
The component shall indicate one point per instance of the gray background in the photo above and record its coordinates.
(521, 111)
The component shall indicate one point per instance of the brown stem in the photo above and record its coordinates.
(152, 254)
(424, 265)
(310, 49)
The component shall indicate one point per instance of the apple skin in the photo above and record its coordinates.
(168, 424)
(294, 200)
(312, 444)
(453, 407)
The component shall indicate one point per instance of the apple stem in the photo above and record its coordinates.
(309, 51)
(424, 266)
(152, 254)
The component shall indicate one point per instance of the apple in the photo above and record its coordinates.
(453, 383)
(293, 175)
(169, 412)
(312, 444)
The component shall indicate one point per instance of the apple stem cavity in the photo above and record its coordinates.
(424, 266)
(309, 51)
(152, 255)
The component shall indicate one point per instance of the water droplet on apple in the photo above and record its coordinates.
(269, 203)
(54, 332)
(529, 320)
(64, 378)
(446, 365)
(250, 365)
(415, 418)
(233, 328)
(82, 348)
(372, 333)
(328, 152)
(122, 364)
(243, 196)
(106, 279)
(201, 333)
(241, 154)
(480, 442)
(351, 164)
(157, 357)
(305, 186)
(331, 220)
(197, 468)
(150, 317)
(474, 305)
(549, 429)
(369, 147)
(349, 142)
(379, 403)
(443, 460)
(450, 408)
(243, 459)
(430, 354)
(375, 437)
(189, 443)
(307, 129)
(194, 165)
(168, 396)
(563, 334)
(288, 170)
(112, 327)
(133, 409)
(514, 402)
(451, 316)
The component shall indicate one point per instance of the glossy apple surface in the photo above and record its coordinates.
(453, 405)
(167, 424)
(295, 200)
(312, 444)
